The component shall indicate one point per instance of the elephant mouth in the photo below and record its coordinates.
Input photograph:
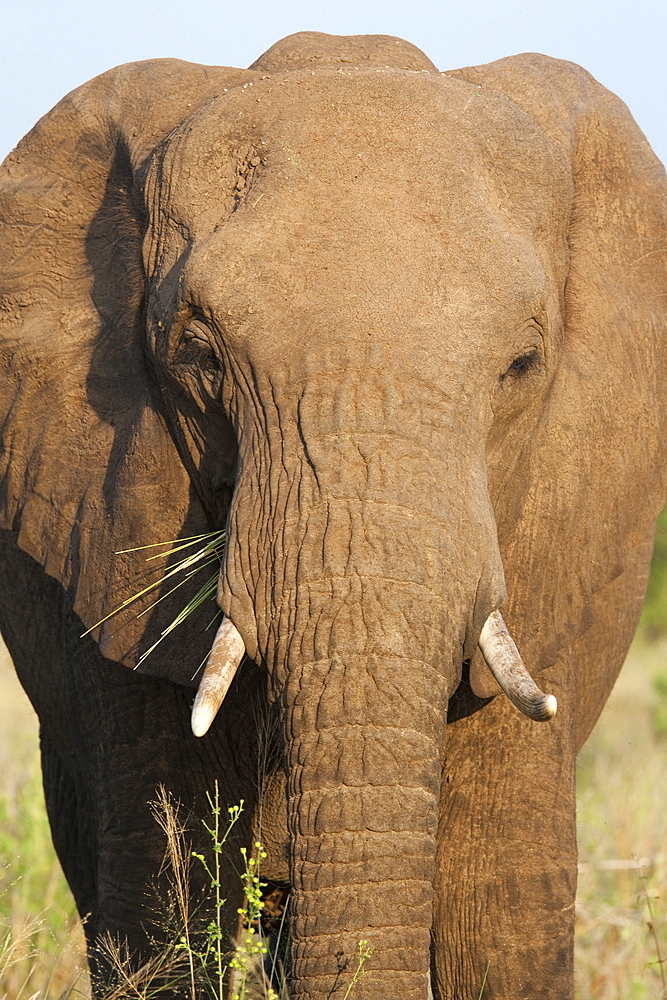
(495, 642)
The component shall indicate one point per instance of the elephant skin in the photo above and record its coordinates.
(402, 334)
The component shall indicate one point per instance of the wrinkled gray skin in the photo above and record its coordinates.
(403, 334)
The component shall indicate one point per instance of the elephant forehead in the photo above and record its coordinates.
(397, 141)
(368, 203)
(362, 269)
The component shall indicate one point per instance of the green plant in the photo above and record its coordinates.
(214, 932)
(207, 961)
(365, 952)
(212, 967)
(252, 946)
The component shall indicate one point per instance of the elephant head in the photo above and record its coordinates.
(402, 333)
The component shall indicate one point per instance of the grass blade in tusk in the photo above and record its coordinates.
(211, 547)
(503, 660)
(223, 662)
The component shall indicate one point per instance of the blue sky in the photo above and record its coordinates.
(48, 48)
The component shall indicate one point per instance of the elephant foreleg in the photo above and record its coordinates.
(507, 859)
(73, 830)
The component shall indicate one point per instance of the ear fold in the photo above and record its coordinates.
(591, 480)
(87, 465)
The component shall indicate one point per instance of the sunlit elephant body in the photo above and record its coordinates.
(403, 334)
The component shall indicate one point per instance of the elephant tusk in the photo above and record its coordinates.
(223, 661)
(503, 660)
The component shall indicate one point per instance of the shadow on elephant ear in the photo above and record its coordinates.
(144, 495)
(117, 384)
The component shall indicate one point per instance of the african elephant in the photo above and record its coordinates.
(402, 332)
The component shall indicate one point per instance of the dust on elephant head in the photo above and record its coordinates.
(400, 331)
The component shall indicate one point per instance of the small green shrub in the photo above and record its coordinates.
(214, 968)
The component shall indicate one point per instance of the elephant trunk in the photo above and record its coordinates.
(361, 573)
(364, 726)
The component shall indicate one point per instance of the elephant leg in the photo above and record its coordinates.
(72, 830)
(506, 872)
(130, 736)
(110, 737)
(506, 868)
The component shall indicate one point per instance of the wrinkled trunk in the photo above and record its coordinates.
(364, 664)
(358, 572)
(365, 721)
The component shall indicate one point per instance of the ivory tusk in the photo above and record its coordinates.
(503, 660)
(223, 661)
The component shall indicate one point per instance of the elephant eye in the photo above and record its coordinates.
(194, 348)
(522, 364)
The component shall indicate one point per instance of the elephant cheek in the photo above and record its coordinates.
(236, 601)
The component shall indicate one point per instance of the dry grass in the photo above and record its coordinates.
(622, 782)
(41, 941)
(622, 786)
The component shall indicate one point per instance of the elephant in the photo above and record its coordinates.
(400, 333)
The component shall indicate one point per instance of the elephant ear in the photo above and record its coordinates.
(87, 464)
(588, 485)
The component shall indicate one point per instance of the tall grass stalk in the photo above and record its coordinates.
(215, 942)
(177, 862)
(210, 550)
(486, 976)
(652, 927)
